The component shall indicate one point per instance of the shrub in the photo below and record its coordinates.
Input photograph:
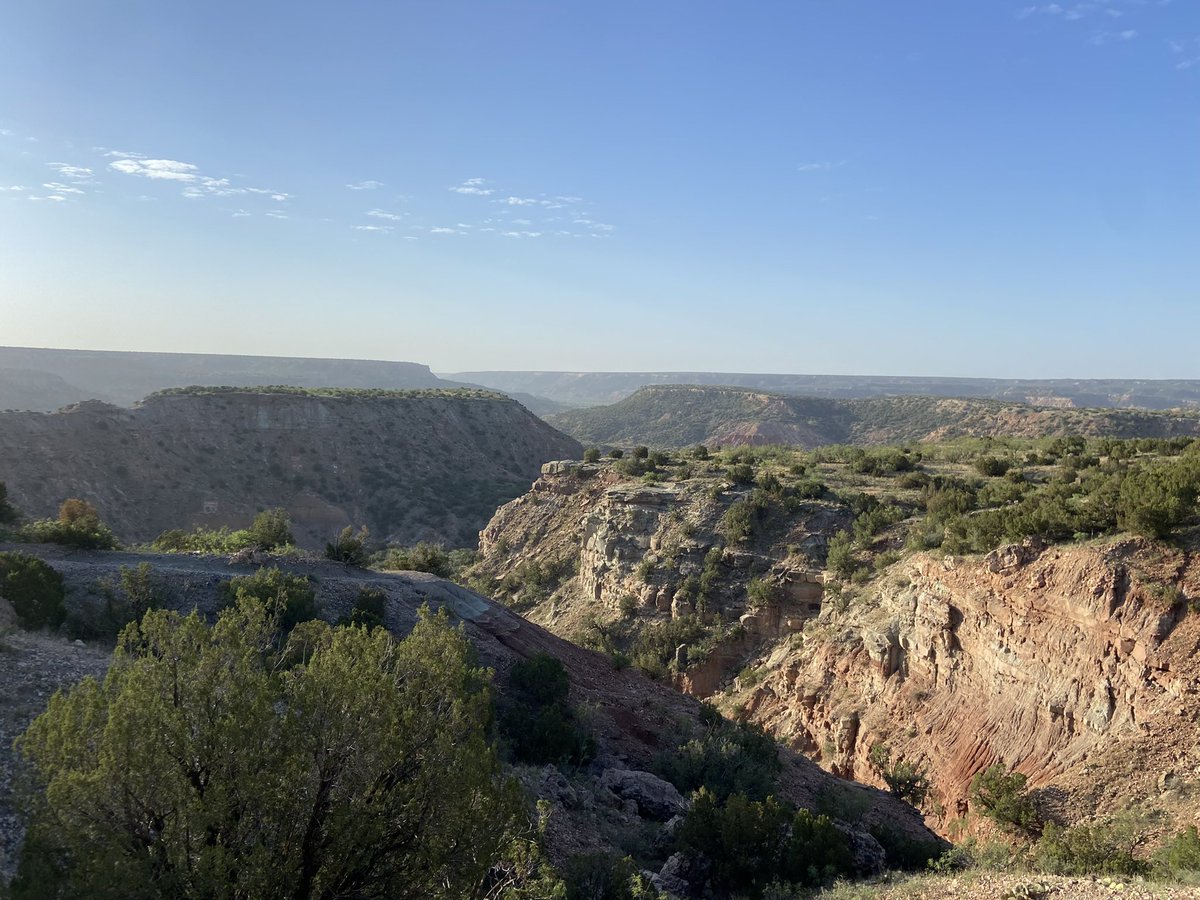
(1001, 796)
(8, 512)
(1181, 853)
(904, 779)
(290, 599)
(740, 839)
(78, 525)
(840, 559)
(749, 845)
(1151, 502)
(760, 593)
(209, 765)
(421, 557)
(537, 722)
(616, 453)
(271, 529)
(641, 452)
(728, 758)
(991, 466)
(34, 589)
(143, 590)
(1103, 848)
(741, 473)
(816, 850)
(369, 608)
(591, 455)
(604, 876)
(653, 648)
(348, 547)
(905, 852)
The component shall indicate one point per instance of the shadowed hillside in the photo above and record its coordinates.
(416, 465)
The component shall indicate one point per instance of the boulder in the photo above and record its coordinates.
(673, 878)
(655, 798)
(868, 854)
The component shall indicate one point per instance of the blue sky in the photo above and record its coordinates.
(934, 187)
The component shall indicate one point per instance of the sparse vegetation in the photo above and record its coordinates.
(348, 547)
(537, 723)
(78, 525)
(1001, 796)
(288, 599)
(727, 758)
(34, 589)
(209, 765)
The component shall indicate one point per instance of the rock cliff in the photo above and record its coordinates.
(409, 465)
(1075, 664)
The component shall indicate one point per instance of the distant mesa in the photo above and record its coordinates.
(581, 389)
(43, 379)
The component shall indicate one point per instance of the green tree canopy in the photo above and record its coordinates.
(210, 763)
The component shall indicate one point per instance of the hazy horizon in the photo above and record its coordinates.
(1002, 190)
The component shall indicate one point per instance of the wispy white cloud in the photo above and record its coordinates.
(1100, 38)
(278, 196)
(196, 184)
(17, 188)
(473, 186)
(443, 230)
(519, 201)
(66, 170)
(380, 229)
(240, 214)
(58, 198)
(157, 169)
(365, 185)
(381, 214)
(275, 214)
(59, 188)
(820, 166)
(1187, 53)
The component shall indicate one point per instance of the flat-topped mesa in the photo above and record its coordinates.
(410, 465)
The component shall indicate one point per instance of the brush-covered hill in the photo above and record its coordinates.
(580, 389)
(685, 415)
(636, 724)
(411, 465)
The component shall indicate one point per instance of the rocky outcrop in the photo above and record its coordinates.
(1056, 661)
(654, 798)
(641, 550)
(409, 465)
